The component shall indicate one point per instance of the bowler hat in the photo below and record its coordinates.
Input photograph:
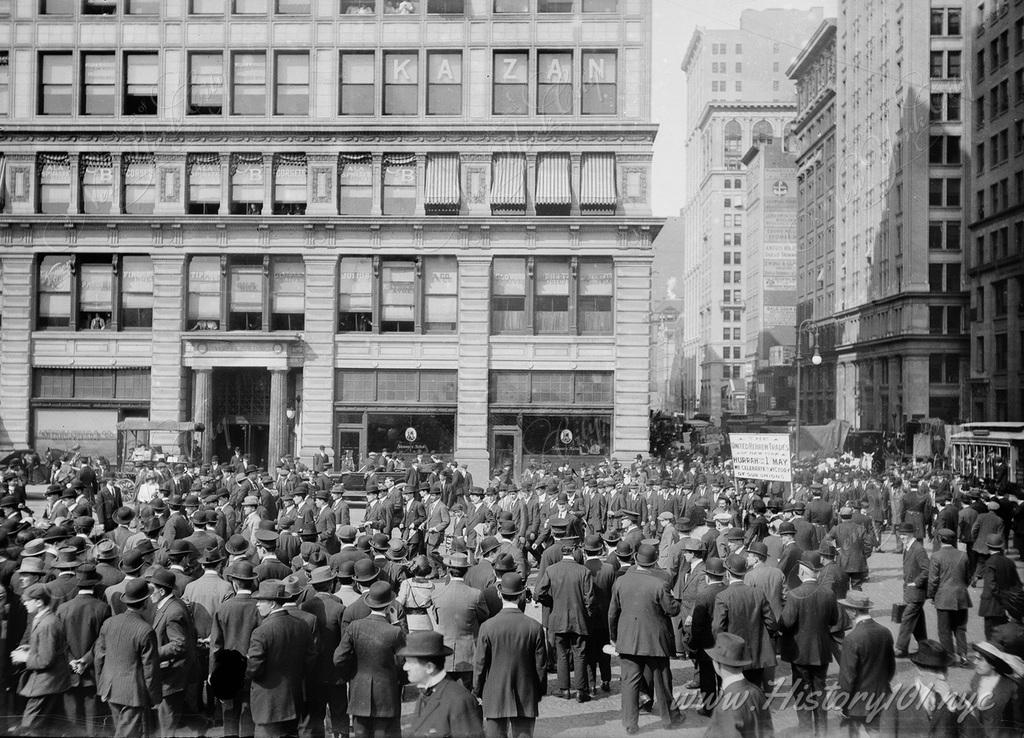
(995, 541)
(241, 570)
(930, 655)
(787, 528)
(163, 578)
(153, 525)
(131, 561)
(811, 560)
(365, 571)
(488, 544)
(380, 542)
(828, 549)
(728, 650)
(236, 545)
(593, 544)
(759, 549)
(424, 644)
(135, 591)
(906, 529)
(714, 567)
(87, 576)
(379, 596)
(347, 571)
(646, 554)
(736, 564)
(507, 527)
(624, 550)
(210, 556)
(124, 515)
(611, 537)
(512, 584)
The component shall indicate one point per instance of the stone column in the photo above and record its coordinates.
(279, 433)
(202, 407)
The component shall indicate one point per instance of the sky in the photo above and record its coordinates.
(674, 23)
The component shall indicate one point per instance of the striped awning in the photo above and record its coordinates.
(553, 173)
(597, 181)
(508, 181)
(442, 186)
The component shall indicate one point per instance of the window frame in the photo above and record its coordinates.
(264, 266)
(77, 263)
(42, 85)
(153, 106)
(279, 85)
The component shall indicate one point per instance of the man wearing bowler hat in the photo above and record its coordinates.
(460, 611)
(741, 710)
(234, 620)
(82, 617)
(928, 705)
(866, 667)
(947, 588)
(744, 611)
(790, 556)
(998, 575)
(597, 624)
(510, 665)
(915, 587)
(323, 689)
(280, 650)
(444, 707)
(176, 639)
(127, 662)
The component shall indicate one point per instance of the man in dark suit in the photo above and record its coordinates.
(46, 676)
(367, 656)
(127, 662)
(854, 541)
(744, 611)
(948, 516)
(790, 557)
(988, 523)
(414, 517)
(640, 624)
(509, 673)
(866, 667)
(698, 632)
(321, 460)
(999, 574)
(915, 587)
(82, 617)
(567, 587)
(233, 623)
(597, 624)
(444, 706)
(176, 640)
(323, 688)
(947, 588)
(280, 651)
(807, 619)
(742, 711)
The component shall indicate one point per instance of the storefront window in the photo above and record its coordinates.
(411, 434)
(440, 286)
(508, 290)
(245, 296)
(355, 289)
(204, 293)
(398, 296)
(55, 292)
(554, 435)
(137, 292)
(551, 303)
(287, 295)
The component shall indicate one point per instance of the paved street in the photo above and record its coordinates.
(601, 717)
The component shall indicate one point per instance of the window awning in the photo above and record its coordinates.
(553, 186)
(597, 181)
(508, 184)
(442, 188)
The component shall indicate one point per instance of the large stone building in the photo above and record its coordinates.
(814, 133)
(995, 244)
(416, 226)
(899, 297)
(738, 96)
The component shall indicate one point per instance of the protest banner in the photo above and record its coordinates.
(761, 456)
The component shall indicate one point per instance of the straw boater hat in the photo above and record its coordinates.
(1005, 663)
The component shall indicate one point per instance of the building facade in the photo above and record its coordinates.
(814, 132)
(421, 227)
(738, 96)
(995, 244)
(899, 297)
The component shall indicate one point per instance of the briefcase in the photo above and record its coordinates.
(897, 612)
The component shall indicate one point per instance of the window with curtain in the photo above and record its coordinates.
(98, 84)
(440, 290)
(203, 184)
(397, 296)
(206, 83)
(401, 83)
(136, 292)
(54, 183)
(139, 183)
(399, 191)
(356, 96)
(291, 94)
(247, 184)
(249, 84)
(594, 309)
(290, 184)
(444, 83)
(508, 295)
(56, 91)
(510, 93)
(97, 174)
(245, 294)
(554, 83)
(54, 291)
(142, 75)
(355, 294)
(600, 86)
(204, 292)
(95, 295)
(355, 185)
(551, 296)
(287, 294)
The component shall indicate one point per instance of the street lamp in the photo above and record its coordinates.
(806, 326)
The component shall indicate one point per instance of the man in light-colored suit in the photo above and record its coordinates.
(460, 611)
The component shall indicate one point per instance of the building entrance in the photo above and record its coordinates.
(241, 413)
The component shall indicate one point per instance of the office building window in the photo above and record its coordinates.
(99, 7)
(97, 175)
(979, 353)
(397, 296)
(139, 183)
(262, 293)
(551, 296)
(204, 293)
(356, 84)
(944, 192)
(287, 294)
(5, 84)
(415, 295)
(98, 84)
(249, 84)
(291, 93)
(290, 196)
(545, 294)
(448, 7)
(554, 83)
(401, 83)
(511, 82)
(136, 292)
(54, 290)
(247, 185)
(57, 7)
(512, 6)
(206, 83)
(292, 7)
(355, 184)
(143, 7)
(600, 87)
(594, 307)
(142, 73)
(203, 184)
(599, 6)
(56, 89)
(398, 196)
(355, 294)
(440, 294)
(358, 7)
(508, 295)
(554, 6)
(245, 293)
(207, 7)
(401, 7)
(444, 83)
(54, 183)
(249, 7)
(94, 292)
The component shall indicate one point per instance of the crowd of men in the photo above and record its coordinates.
(192, 598)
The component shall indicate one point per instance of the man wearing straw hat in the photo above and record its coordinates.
(866, 667)
(444, 707)
(742, 709)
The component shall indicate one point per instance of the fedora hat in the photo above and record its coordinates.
(504, 563)
(714, 567)
(321, 575)
(180, 548)
(365, 571)
(67, 558)
(294, 584)
(87, 576)
(162, 577)
(930, 655)
(397, 550)
(857, 600)
(106, 550)
(271, 590)
(211, 555)
(728, 650)
(692, 544)
(32, 566)
(35, 547)
(736, 564)
(379, 596)
(152, 525)
(135, 591)
(241, 570)
(424, 644)
(457, 561)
